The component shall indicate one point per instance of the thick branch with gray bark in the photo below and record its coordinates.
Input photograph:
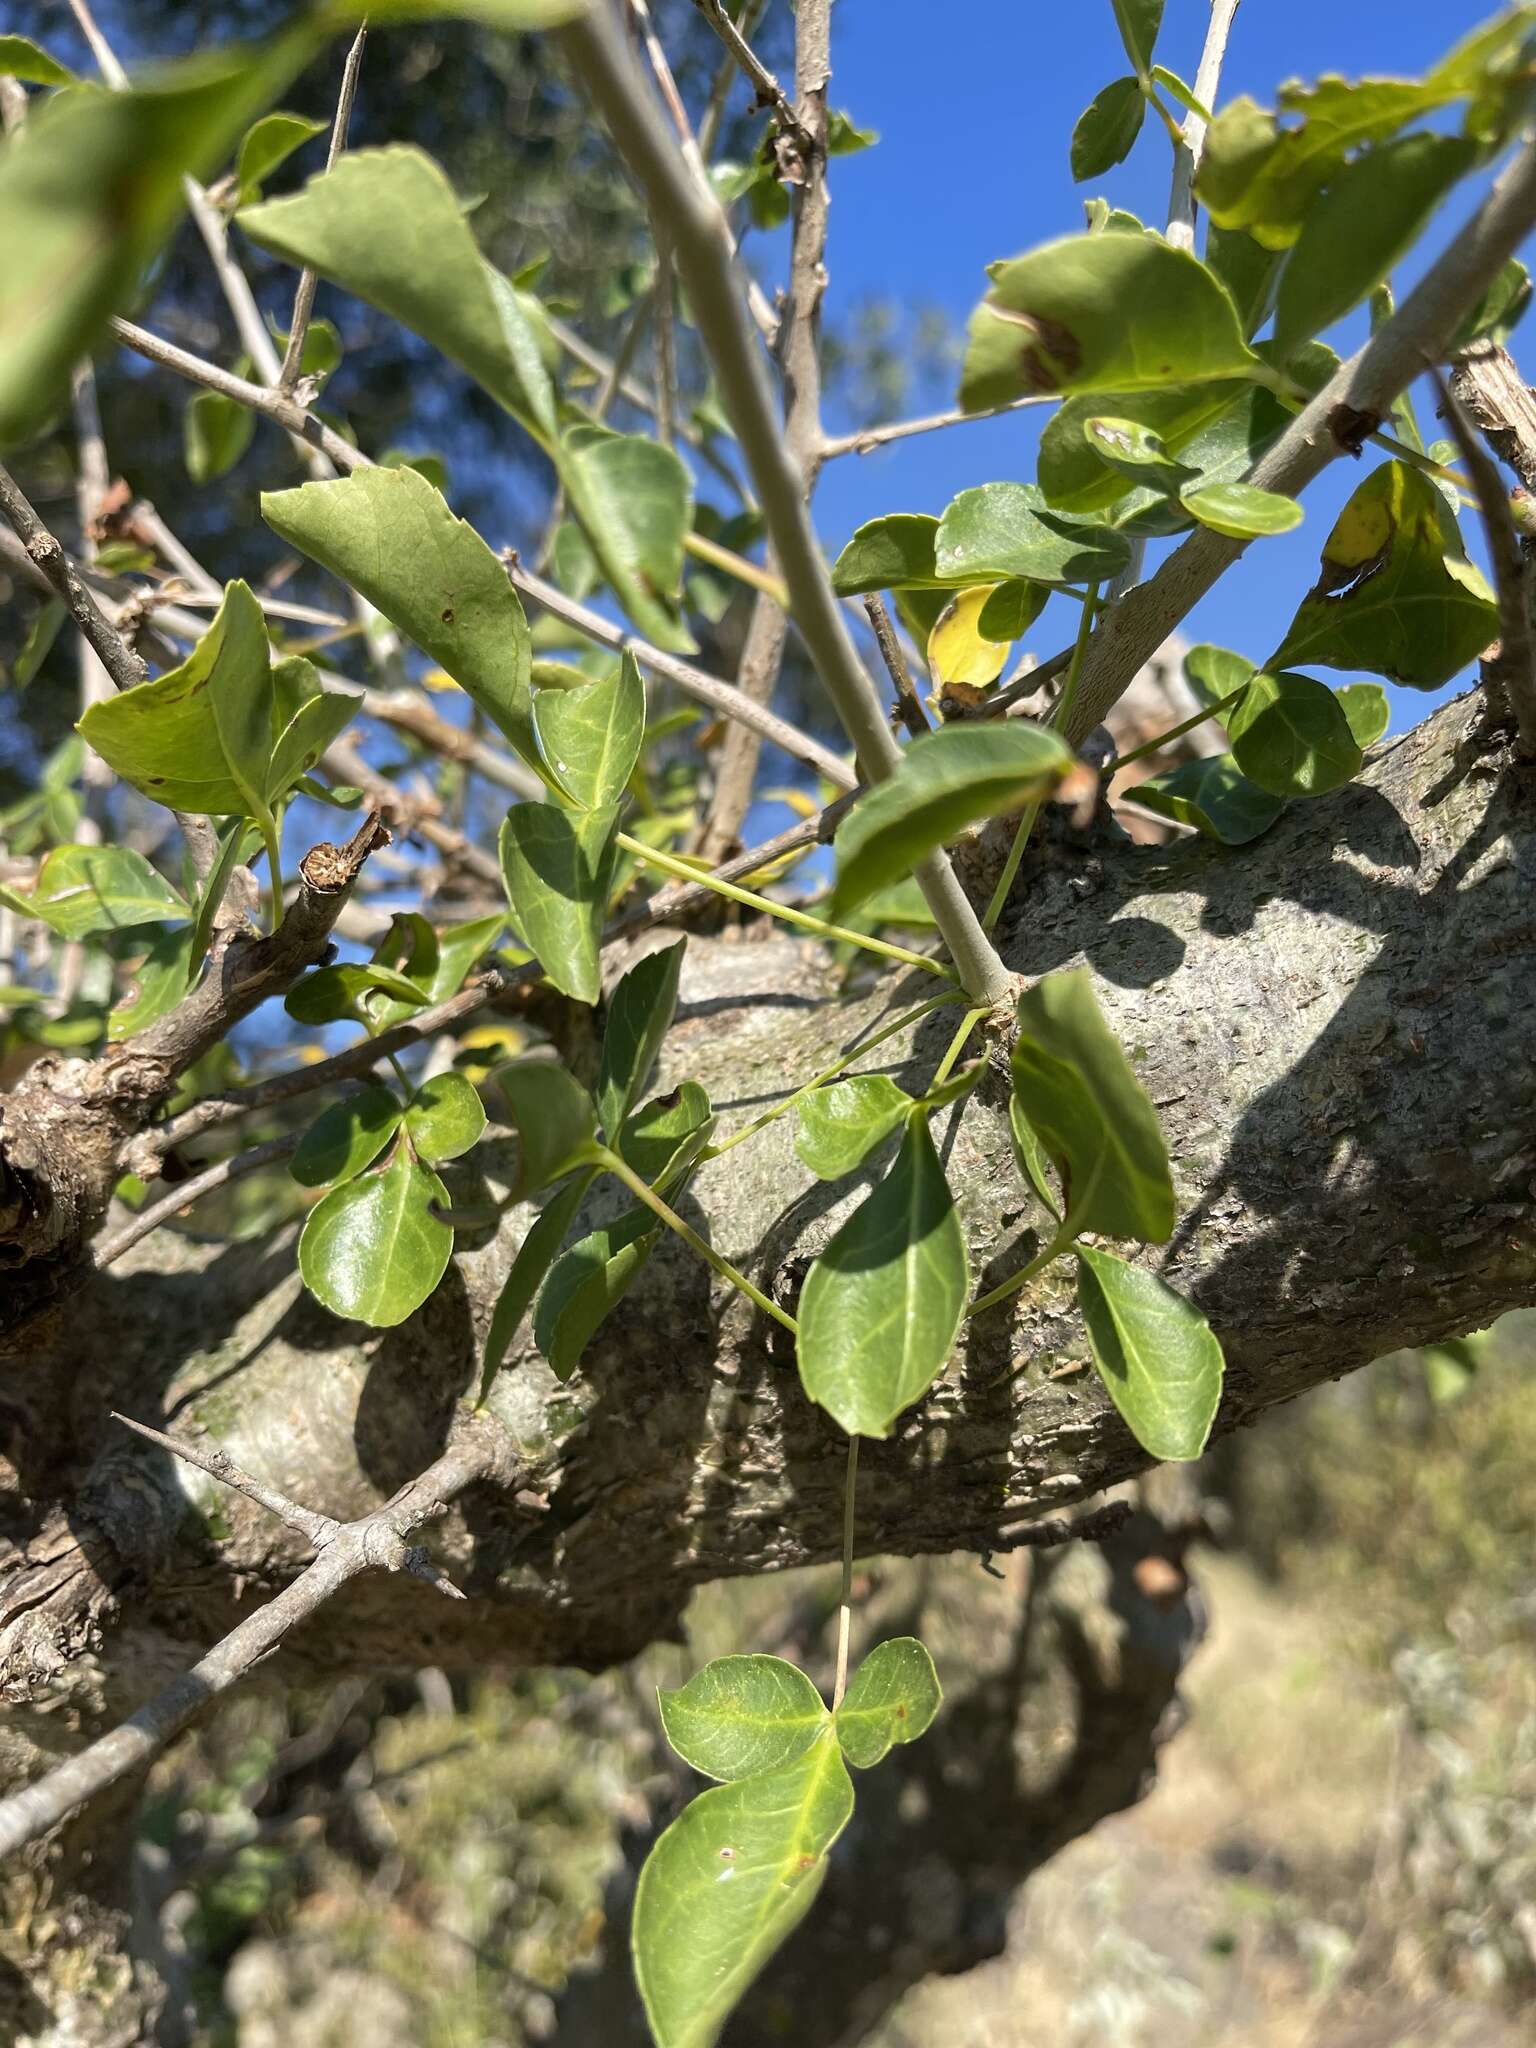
(1334, 1023)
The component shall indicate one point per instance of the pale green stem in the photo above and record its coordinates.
(270, 834)
(1174, 732)
(845, 1601)
(738, 566)
(831, 1073)
(957, 1045)
(1059, 717)
(643, 1192)
(785, 911)
(1058, 1244)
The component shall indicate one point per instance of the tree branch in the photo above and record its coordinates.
(375, 1542)
(769, 92)
(1513, 668)
(1186, 158)
(702, 243)
(304, 293)
(119, 660)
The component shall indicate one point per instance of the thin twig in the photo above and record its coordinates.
(374, 1542)
(239, 1166)
(799, 360)
(101, 49)
(1186, 156)
(1514, 666)
(702, 244)
(304, 293)
(1057, 1529)
(909, 705)
(119, 660)
(867, 439)
(315, 1528)
(769, 92)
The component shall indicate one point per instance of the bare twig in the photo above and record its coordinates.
(119, 660)
(1131, 630)
(1186, 158)
(867, 439)
(149, 1219)
(1512, 668)
(799, 355)
(769, 92)
(304, 293)
(909, 706)
(101, 49)
(1052, 1530)
(374, 1542)
(702, 244)
(315, 1528)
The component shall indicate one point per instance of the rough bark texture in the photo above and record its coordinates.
(1336, 1027)
(1334, 1024)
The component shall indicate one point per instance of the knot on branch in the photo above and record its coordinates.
(329, 869)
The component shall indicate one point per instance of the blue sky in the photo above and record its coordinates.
(975, 104)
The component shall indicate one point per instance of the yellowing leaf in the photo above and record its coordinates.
(957, 650)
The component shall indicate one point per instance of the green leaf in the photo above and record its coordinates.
(1008, 530)
(1198, 427)
(215, 434)
(944, 782)
(502, 14)
(90, 190)
(1290, 736)
(639, 1017)
(1010, 609)
(1247, 269)
(351, 989)
(1214, 796)
(1242, 511)
(888, 553)
(1213, 673)
(556, 865)
(1397, 594)
(386, 225)
(1030, 1154)
(23, 59)
(1101, 312)
(740, 1716)
(85, 889)
(307, 718)
(663, 1138)
(587, 1283)
(270, 142)
(1154, 1351)
(1138, 22)
(1107, 128)
(634, 499)
(553, 1117)
(882, 1306)
(1365, 706)
(1075, 1087)
(892, 1697)
(445, 1118)
(205, 737)
(1498, 312)
(459, 946)
(158, 985)
(345, 1138)
(391, 536)
(840, 1124)
(591, 736)
(535, 1255)
(727, 1884)
(1368, 219)
(372, 1249)
(1135, 451)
